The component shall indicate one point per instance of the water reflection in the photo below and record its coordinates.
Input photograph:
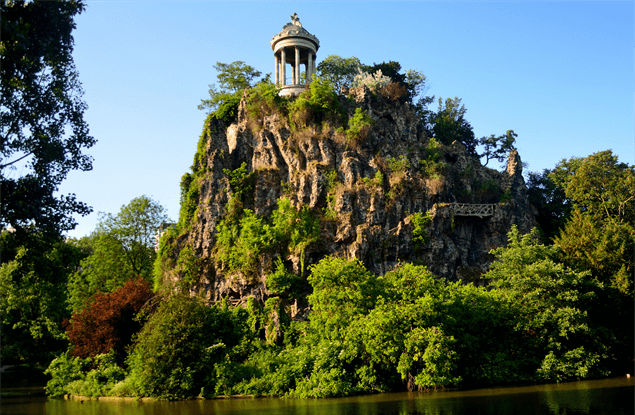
(602, 397)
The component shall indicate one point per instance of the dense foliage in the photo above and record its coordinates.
(406, 330)
(33, 296)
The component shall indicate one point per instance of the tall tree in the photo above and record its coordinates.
(42, 124)
(449, 124)
(600, 236)
(123, 248)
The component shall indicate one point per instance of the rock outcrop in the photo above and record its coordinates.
(371, 193)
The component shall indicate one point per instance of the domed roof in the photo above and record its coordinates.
(294, 29)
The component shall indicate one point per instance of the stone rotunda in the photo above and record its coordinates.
(294, 46)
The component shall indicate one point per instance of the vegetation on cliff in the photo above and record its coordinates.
(331, 326)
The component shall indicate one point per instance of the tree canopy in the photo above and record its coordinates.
(42, 123)
(600, 185)
(449, 124)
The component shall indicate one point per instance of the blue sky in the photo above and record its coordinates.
(560, 74)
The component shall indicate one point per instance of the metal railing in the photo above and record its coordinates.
(469, 209)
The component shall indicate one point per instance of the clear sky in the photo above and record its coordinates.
(560, 74)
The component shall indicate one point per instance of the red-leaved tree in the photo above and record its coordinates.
(108, 322)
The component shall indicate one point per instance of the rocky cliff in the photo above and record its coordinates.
(384, 195)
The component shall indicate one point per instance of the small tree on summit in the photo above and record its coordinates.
(233, 78)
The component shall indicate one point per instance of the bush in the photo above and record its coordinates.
(63, 370)
(90, 377)
(431, 165)
(358, 127)
(398, 165)
(282, 281)
(429, 355)
(342, 291)
(228, 109)
(264, 99)
(419, 234)
(317, 104)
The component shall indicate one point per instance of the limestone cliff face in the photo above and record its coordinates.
(371, 215)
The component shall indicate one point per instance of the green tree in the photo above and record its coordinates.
(123, 248)
(449, 124)
(600, 185)
(233, 79)
(550, 201)
(33, 280)
(42, 123)
(497, 147)
(600, 236)
(342, 291)
(339, 71)
(175, 352)
(551, 303)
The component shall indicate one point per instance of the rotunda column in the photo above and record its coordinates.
(296, 81)
(309, 68)
(277, 82)
(284, 67)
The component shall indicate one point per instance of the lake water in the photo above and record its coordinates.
(614, 396)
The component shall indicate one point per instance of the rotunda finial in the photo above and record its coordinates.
(295, 20)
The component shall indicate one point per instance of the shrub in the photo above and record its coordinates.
(98, 381)
(228, 109)
(63, 370)
(429, 355)
(244, 237)
(264, 99)
(90, 377)
(419, 234)
(239, 243)
(431, 164)
(398, 165)
(342, 290)
(358, 127)
(373, 81)
(317, 104)
(240, 180)
(394, 91)
(190, 194)
(331, 185)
